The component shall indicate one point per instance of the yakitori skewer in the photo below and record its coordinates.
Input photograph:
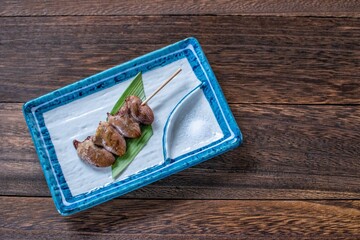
(162, 86)
(99, 150)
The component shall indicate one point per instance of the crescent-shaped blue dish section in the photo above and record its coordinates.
(193, 123)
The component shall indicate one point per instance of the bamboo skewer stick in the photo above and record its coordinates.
(162, 86)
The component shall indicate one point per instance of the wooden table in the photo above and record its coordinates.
(290, 72)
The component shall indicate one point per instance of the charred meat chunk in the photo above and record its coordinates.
(141, 113)
(90, 153)
(126, 125)
(107, 137)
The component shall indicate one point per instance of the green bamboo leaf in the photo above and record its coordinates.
(133, 145)
(136, 88)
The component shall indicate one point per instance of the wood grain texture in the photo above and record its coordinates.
(188, 7)
(289, 152)
(293, 84)
(305, 61)
(182, 219)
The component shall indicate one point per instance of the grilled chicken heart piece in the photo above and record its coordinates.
(90, 153)
(107, 137)
(142, 114)
(125, 124)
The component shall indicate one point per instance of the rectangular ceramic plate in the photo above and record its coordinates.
(193, 123)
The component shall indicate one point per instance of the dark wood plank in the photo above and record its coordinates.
(162, 7)
(182, 219)
(306, 60)
(289, 152)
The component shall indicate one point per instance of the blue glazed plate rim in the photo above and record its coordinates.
(34, 108)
